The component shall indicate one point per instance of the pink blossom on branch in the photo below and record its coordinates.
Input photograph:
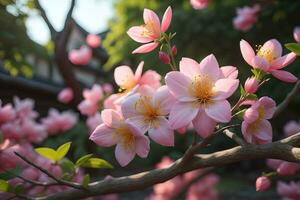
(201, 91)
(199, 4)
(246, 18)
(256, 128)
(151, 31)
(80, 56)
(93, 40)
(7, 113)
(148, 113)
(269, 59)
(66, 95)
(115, 130)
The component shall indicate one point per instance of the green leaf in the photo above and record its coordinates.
(97, 163)
(294, 47)
(252, 96)
(67, 166)
(47, 153)
(86, 180)
(63, 150)
(83, 159)
(4, 185)
(242, 90)
(11, 173)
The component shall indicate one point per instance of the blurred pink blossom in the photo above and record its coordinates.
(66, 95)
(291, 128)
(80, 56)
(289, 191)
(93, 40)
(199, 4)
(107, 88)
(24, 108)
(93, 121)
(246, 17)
(7, 113)
(297, 34)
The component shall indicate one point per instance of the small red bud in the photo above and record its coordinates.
(262, 183)
(164, 57)
(174, 50)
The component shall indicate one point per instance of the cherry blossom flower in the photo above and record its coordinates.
(57, 122)
(93, 121)
(148, 113)
(201, 91)
(199, 4)
(80, 56)
(24, 108)
(127, 80)
(115, 130)
(246, 18)
(89, 106)
(269, 59)
(66, 95)
(151, 31)
(291, 128)
(256, 128)
(93, 40)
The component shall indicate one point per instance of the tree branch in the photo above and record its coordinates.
(285, 149)
(288, 99)
(233, 136)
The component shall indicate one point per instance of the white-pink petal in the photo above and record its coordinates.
(104, 136)
(284, 76)
(182, 114)
(140, 123)
(161, 133)
(128, 106)
(142, 146)
(220, 111)
(189, 67)
(247, 51)
(124, 155)
(203, 124)
(111, 118)
(224, 88)
(136, 33)
(283, 61)
(139, 71)
(124, 76)
(146, 48)
(209, 66)
(163, 100)
(166, 20)
(229, 72)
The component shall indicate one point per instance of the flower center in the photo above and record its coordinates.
(144, 106)
(127, 139)
(256, 124)
(149, 30)
(202, 89)
(266, 54)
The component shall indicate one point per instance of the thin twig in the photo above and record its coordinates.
(60, 181)
(281, 107)
(236, 138)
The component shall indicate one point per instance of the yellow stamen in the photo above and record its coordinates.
(265, 53)
(126, 137)
(202, 89)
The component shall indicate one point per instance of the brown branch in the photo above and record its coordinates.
(284, 150)
(233, 136)
(59, 181)
(288, 99)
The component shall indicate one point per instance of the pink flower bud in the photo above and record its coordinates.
(107, 88)
(164, 57)
(262, 183)
(251, 85)
(93, 40)
(174, 50)
(66, 95)
(297, 34)
(288, 168)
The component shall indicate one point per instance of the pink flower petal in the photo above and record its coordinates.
(269, 106)
(182, 113)
(251, 115)
(139, 122)
(260, 63)
(146, 48)
(163, 100)
(150, 17)
(296, 34)
(284, 76)
(137, 34)
(189, 67)
(247, 135)
(178, 85)
(283, 61)
(264, 131)
(229, 72)
(162, 134)
(166, 20)
(124, 76)
(225, 88)
(247, 51)
(150, 78)
(124, 155)
(111, 118)
(104, 136)
(209, 66)
(203, 124)
(128, 106)
(274, 46)
(219, 111)
(138, 71)
(142, 146)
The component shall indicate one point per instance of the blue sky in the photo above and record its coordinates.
(92, 15)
